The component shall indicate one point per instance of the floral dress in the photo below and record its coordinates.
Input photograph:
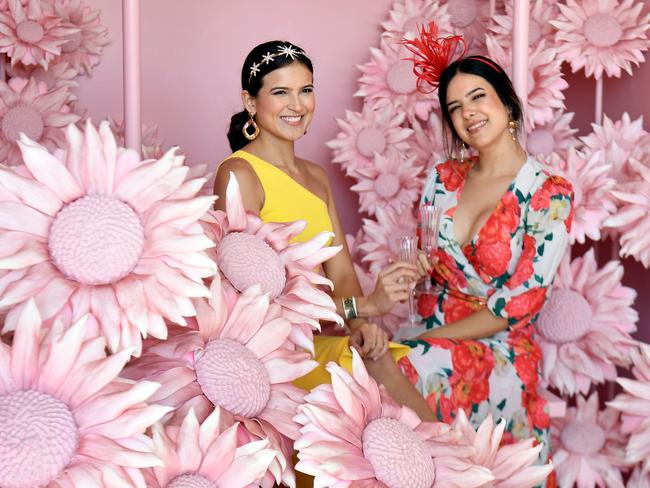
(508, 267)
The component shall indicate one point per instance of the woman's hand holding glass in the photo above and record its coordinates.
(393, 286)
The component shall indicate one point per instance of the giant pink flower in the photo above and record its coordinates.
(469, 18)
(206, 455)
(602, 35)
(638, 479)
(30, 36)
(151, 143)
(354, 434)
(588, 446)
(56, 75)
(539, 27)
(66, 419)
(374, 130)
(584, 328)
(28, 106)
(393, 182)
(93, 228)
(634, 405)
(554, 136)
(406, 16)
(427, 142)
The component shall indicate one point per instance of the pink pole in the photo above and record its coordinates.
(598, 116)
(132, 75)
(520, 50)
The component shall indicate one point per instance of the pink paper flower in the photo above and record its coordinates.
(56, 75)
(151, 143)
(406, 16)
(28, 106)
(638, 479)
(539, 27)
(389, 76)
(588, 446)
(88, 38)
(92, 228)
(393, 182)
(584, 329)
(554, 136)
(545, 80)
(374, 130)
(634, 405)
(206, 455)
(30, 36)
(427, 142)
(602, 35)
(67, 420)
(470, 18)
(354, 434)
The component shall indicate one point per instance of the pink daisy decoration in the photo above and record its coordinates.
(374, 130)
(634, 405)
(94, 228)
(638, 479)
(633, 216)
(197, 455)
(30, 36)
(601, 35)
(354, 434)
(87, 39)
(554, 136)
(67, 420)
(393, 183)
(27, 106)
(469, 18)
(545, 80)
(426, 141)
(379, 246)
(389, 76)
(590, 175)
(539, 27)
(56, 75)
(406, 16)
(588, 446)
(151, 143)
(584, 328)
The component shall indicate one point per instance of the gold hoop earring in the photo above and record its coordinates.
(256, 130)
(512, 128)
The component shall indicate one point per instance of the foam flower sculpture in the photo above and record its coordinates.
(584, 328)
(602, 36)
(588, 446)
(95, 228)
(250, 251)
(389, 76)
(510, 464)
(539, 27)
(426, 142)
(87, 39)
(151, 143)
(638, 479)
(29, 107)
(354, 434)
(196, 455)
(554, 136)
(391, 183)
(67, 420)
(406, 16)
(633, 215)
(634, 405)
(29, 35)
(379, 244)
(545, 80)
(56, 75)
(374, 130)
(469, 18)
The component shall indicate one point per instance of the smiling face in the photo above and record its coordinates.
(285, 104)
(477, 113)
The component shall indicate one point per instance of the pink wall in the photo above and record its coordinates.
(192, 58)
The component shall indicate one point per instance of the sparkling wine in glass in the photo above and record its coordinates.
(407, 249)
(429, 225)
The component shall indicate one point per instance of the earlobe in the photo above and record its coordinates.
(248, 101)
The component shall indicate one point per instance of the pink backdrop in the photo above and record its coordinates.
(192, 60)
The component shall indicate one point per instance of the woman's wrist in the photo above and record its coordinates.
(366, 307)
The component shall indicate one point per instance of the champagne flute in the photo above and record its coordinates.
(429, 222)
(407, 250)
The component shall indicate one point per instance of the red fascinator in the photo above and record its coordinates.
(433, 54)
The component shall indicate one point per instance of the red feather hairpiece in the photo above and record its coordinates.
(433, 54)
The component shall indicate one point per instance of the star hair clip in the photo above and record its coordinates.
(284, 50)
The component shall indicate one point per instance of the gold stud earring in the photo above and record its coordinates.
(250, 123)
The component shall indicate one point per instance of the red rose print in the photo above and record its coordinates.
(427, 304)
(408, 370)
(524, 269)
(447, 271)
(553, 186)
(456, 309)
(446, 409)
(527, 304)
(452, 174)
(467, 391)
(491, 259)
(535, 405)
(472, 359)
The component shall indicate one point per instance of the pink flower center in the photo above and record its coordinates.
(387, 185)
(583, 437)
(566, 317)
(603, 30)
(400, 77)
(462, 12)
(246, 260)
(540, 141)
(96, 240)
(38, 437)
(370, 140)
(22, 119)
(190, 481)
(398, 457)
(74, 41)
(232, 377)
(29, 31)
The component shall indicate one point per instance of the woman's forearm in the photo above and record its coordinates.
(479, 325)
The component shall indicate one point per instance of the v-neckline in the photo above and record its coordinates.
(490, 215)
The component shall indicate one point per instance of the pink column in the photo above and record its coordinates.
(520, 51)
(132, 76)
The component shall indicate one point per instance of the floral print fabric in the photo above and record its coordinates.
(508, 267)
